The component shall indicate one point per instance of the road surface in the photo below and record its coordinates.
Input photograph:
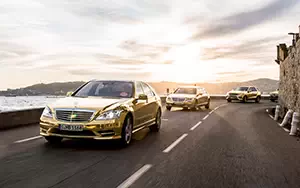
(230, 145)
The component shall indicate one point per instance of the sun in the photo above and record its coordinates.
(187, 66)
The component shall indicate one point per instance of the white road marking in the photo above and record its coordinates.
(286, 130)
(164, 119)
(217, 108)
(28, 139)
(195, 126)
(128, 182)
(267, 110)
(168, 149)
(205, 117)
(211, 112)
(271, 116)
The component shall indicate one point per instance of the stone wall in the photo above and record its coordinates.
(289, 85)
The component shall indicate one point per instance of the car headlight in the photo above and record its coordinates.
(47, 112)
(169, 99)
(111, 114)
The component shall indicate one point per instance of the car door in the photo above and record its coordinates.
(151, 103)
(140, 106)
(253, 92)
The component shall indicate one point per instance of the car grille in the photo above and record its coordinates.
(178, 99)
(69, 115)
(233, 94)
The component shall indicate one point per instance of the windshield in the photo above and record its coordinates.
(241, 89)
(185, 91)
(106, 89)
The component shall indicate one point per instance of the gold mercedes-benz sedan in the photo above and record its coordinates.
(188, 97)
(103, 110)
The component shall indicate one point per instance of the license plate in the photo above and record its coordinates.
(71, 127)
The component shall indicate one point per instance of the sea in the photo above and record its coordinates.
(25, 102)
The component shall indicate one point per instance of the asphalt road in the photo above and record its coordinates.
(233, 145)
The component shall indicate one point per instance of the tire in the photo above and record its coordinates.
(207, 105)
(258, 98)
(127, 131)
(157, 125)
(185, 108)
(53, 139)
(228, 100)
(169, 108)
(273, 100)
(245, 99)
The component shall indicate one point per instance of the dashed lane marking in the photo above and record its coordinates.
(128, 182)
(168, 149)
(205, 117)
(195, 126)
(28, 139)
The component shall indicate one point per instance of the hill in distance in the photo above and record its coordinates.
(61, 88)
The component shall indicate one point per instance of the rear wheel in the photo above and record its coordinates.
(258, 98)
(157, 125)
(273, 100)
(228, 100)
(127, 131)
(53, 139)
(169, 108)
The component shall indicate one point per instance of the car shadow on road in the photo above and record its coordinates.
(90, 144)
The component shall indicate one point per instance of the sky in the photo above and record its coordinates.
(44, 41)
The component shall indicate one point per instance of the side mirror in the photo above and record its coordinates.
(69, 93)
(143, 97)
(248, 91)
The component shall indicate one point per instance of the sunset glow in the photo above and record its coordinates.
(182, 41)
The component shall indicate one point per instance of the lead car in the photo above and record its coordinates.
(103, 110)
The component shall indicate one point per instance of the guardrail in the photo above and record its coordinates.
(17, 118)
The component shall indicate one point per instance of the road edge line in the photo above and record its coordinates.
(195, 126)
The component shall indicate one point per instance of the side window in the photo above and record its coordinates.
(138, 89)
(147, 90)
(252, 89)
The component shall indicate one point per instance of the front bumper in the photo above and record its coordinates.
(234, 97)
(273, 97)
(98, 130)
(185, 104)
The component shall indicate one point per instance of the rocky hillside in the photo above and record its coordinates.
(61, 88)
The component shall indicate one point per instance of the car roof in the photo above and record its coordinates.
(97, 80)
(196, 87)
(247, 86)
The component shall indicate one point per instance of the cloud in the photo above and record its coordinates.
(244, 20)
(259, 49)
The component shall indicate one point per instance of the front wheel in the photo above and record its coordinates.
(169, 108)
(53, 139)
(245, 99)
(228, 100)
(207, 105)
(157, 125)
(258, 98)
(127, 131)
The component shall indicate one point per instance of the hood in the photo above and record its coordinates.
(91, 103)
(274, 92)
(237, 92)
(181, 95)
